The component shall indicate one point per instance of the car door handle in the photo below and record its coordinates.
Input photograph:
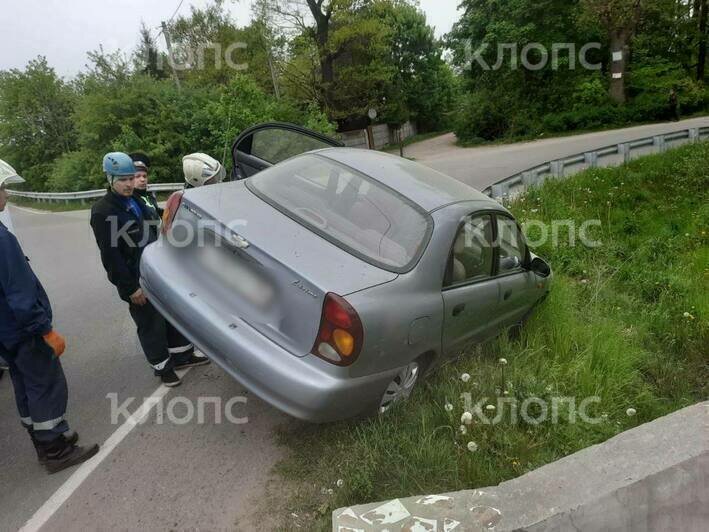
(507, 295)
(458, 309)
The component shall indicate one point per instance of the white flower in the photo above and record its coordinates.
(330, 491)
(465, 377)
(490, 408)
(503, 361)
(505, 392)
(630, 412)
(584, 281)
(448, 407)
(463, 429)
(466, 418)
(472, 446)
(340, 483)
(604, 416)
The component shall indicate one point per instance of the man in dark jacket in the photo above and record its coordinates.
(123, 227)
(177, 344)
(141, 192)
(31, 349)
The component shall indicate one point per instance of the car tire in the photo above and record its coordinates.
(404, 383)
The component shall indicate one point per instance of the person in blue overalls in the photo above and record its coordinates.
(31, 349)
(124, 227)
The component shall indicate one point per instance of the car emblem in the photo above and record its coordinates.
(299, 284)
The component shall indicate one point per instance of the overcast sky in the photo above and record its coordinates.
(64, 30)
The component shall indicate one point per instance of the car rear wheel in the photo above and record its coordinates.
(401, 386)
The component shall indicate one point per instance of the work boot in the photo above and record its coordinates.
(170, 378)
(70, 438)
(61, 454)
(194, 360)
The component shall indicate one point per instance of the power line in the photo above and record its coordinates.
(170, 19)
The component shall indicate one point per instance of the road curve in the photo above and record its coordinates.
(482, 166)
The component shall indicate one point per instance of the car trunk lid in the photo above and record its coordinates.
(257, 264)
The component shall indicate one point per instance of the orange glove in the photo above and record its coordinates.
(56, 342)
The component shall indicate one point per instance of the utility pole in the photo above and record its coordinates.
(173, 68)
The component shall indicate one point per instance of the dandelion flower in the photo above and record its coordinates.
(465, 377)
(503, 361)
(466, 418)
(448, 407)
(630, 412)
(340, 483)
(472, 446)
(463, 429)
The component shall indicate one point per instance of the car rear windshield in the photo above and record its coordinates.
(351, 210)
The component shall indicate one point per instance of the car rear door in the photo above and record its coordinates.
(470, 291)
(264, 145)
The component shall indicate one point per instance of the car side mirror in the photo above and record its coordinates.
(540, 267)
(509, 263)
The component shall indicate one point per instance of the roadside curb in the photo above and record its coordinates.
(655, 476)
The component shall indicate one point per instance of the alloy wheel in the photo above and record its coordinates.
(400, 387)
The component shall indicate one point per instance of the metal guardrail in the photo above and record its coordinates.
(590, 159)
(87, 194)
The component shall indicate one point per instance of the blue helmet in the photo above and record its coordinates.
(117, 164)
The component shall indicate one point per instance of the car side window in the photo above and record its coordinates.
(513, 249)
(472, 254)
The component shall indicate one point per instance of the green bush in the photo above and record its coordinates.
(482, 116)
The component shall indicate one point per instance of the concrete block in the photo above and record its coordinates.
(652, 477)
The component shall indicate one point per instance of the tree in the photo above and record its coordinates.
(423, 86)
(36, 124)
(148, 58)
(702, 10)
(620, 19)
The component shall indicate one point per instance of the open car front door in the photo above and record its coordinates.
(264, 145)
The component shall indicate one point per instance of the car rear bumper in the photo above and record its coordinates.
(300, 386)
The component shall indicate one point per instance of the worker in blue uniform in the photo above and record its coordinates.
(31, 349)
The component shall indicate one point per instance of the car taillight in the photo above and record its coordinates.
(340, 336)
(171, 207)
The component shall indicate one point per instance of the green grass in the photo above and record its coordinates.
(614, 326)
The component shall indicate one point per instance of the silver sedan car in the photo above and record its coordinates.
(327, 280)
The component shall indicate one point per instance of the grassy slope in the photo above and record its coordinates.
(614, 326)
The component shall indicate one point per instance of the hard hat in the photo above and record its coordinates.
(141, 161)
(8, 175)
(201, 169)
(117, 164)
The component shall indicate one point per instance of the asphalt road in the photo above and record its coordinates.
(205, 474)
(482, 166)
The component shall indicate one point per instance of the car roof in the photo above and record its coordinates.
(424, 186)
